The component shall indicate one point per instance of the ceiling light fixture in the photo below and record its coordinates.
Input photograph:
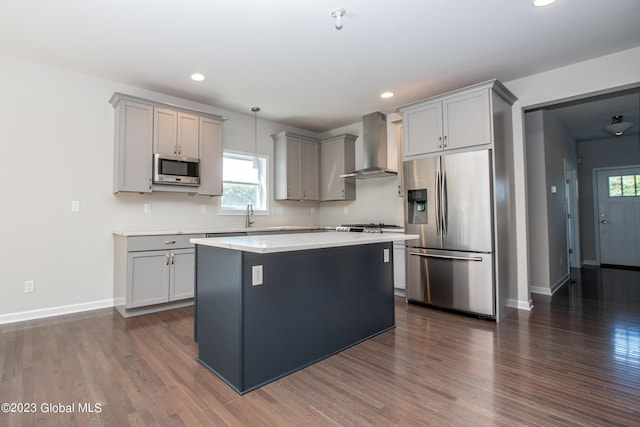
(617, 126)
(541, 3)
(386, 95)
(197, 77)
(255, 136)
(338, 14)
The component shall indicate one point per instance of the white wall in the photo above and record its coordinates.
(609, 152)
(548, 146)
(537, 199)
(589, 77)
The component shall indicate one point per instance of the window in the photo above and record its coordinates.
(242, 183)
(624, 186)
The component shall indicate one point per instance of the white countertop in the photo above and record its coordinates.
(296, 242)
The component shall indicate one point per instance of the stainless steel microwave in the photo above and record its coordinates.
(175, 170)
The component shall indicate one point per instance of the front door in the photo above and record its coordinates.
(619, 216)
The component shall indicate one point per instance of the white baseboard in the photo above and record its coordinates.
(589, 262)
(520, 305)
(543, 290)
(22, 316)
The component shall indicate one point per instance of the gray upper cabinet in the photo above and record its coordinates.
(452, 121)
(337, 158)
(210, 149)
(175, 133)
(144, 127)
(297, 167)
(132, 146)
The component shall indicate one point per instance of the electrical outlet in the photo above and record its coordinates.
(386, 255)
(75, 206)
(203, 209)
(147, 208)
(256, 275)
(346, 210)
(29, 286)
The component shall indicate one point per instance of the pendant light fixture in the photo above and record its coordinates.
(255, 136)
(617, 126)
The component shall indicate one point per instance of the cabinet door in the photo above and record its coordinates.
(467, 121)
(148, 281)
(332, 167)
(210, 157)
(310, 170)
(165, 131)
(423, 129)
(181, 284)
(294, 168)
(188, 135)
(133, 147)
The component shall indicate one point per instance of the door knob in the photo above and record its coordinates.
(604, 221)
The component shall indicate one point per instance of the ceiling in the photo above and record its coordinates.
(286, 56)
(584, 119)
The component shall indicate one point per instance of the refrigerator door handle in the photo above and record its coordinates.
(461, 258)
(445, 205)
(437, 201)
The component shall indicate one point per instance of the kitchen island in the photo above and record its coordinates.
(267, 306)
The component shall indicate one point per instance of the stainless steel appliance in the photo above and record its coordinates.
(449, 204)
(176, 170)
(370, 228)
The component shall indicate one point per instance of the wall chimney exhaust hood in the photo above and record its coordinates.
(374, 142)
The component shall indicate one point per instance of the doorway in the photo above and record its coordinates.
(618, 215)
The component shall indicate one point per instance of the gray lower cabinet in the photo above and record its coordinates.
(160, 276)
(153, 272)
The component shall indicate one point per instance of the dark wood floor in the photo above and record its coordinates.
(574, 360)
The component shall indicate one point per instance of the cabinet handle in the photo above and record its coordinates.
(445, 140)
(172, 257)
(439, 142)
(168, 259)
(149, 183)
(169, 242)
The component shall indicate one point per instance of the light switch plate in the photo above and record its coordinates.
(256, 275)
(75, 206)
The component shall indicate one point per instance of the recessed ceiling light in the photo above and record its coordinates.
(386, 95)
(197, 77)
(540, 3)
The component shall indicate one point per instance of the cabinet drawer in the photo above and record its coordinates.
(160, 242)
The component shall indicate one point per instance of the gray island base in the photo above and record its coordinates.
(311, 304)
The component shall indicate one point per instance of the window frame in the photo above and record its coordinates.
(263, 186)
(620, 179)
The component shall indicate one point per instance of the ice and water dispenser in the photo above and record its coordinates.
(417, 206)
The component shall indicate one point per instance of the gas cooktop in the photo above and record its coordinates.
(369, 228)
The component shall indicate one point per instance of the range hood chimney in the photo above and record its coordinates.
(374, 142)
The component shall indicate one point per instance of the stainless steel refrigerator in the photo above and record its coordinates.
(449, 203)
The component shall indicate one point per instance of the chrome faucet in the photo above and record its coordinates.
(248, 221)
